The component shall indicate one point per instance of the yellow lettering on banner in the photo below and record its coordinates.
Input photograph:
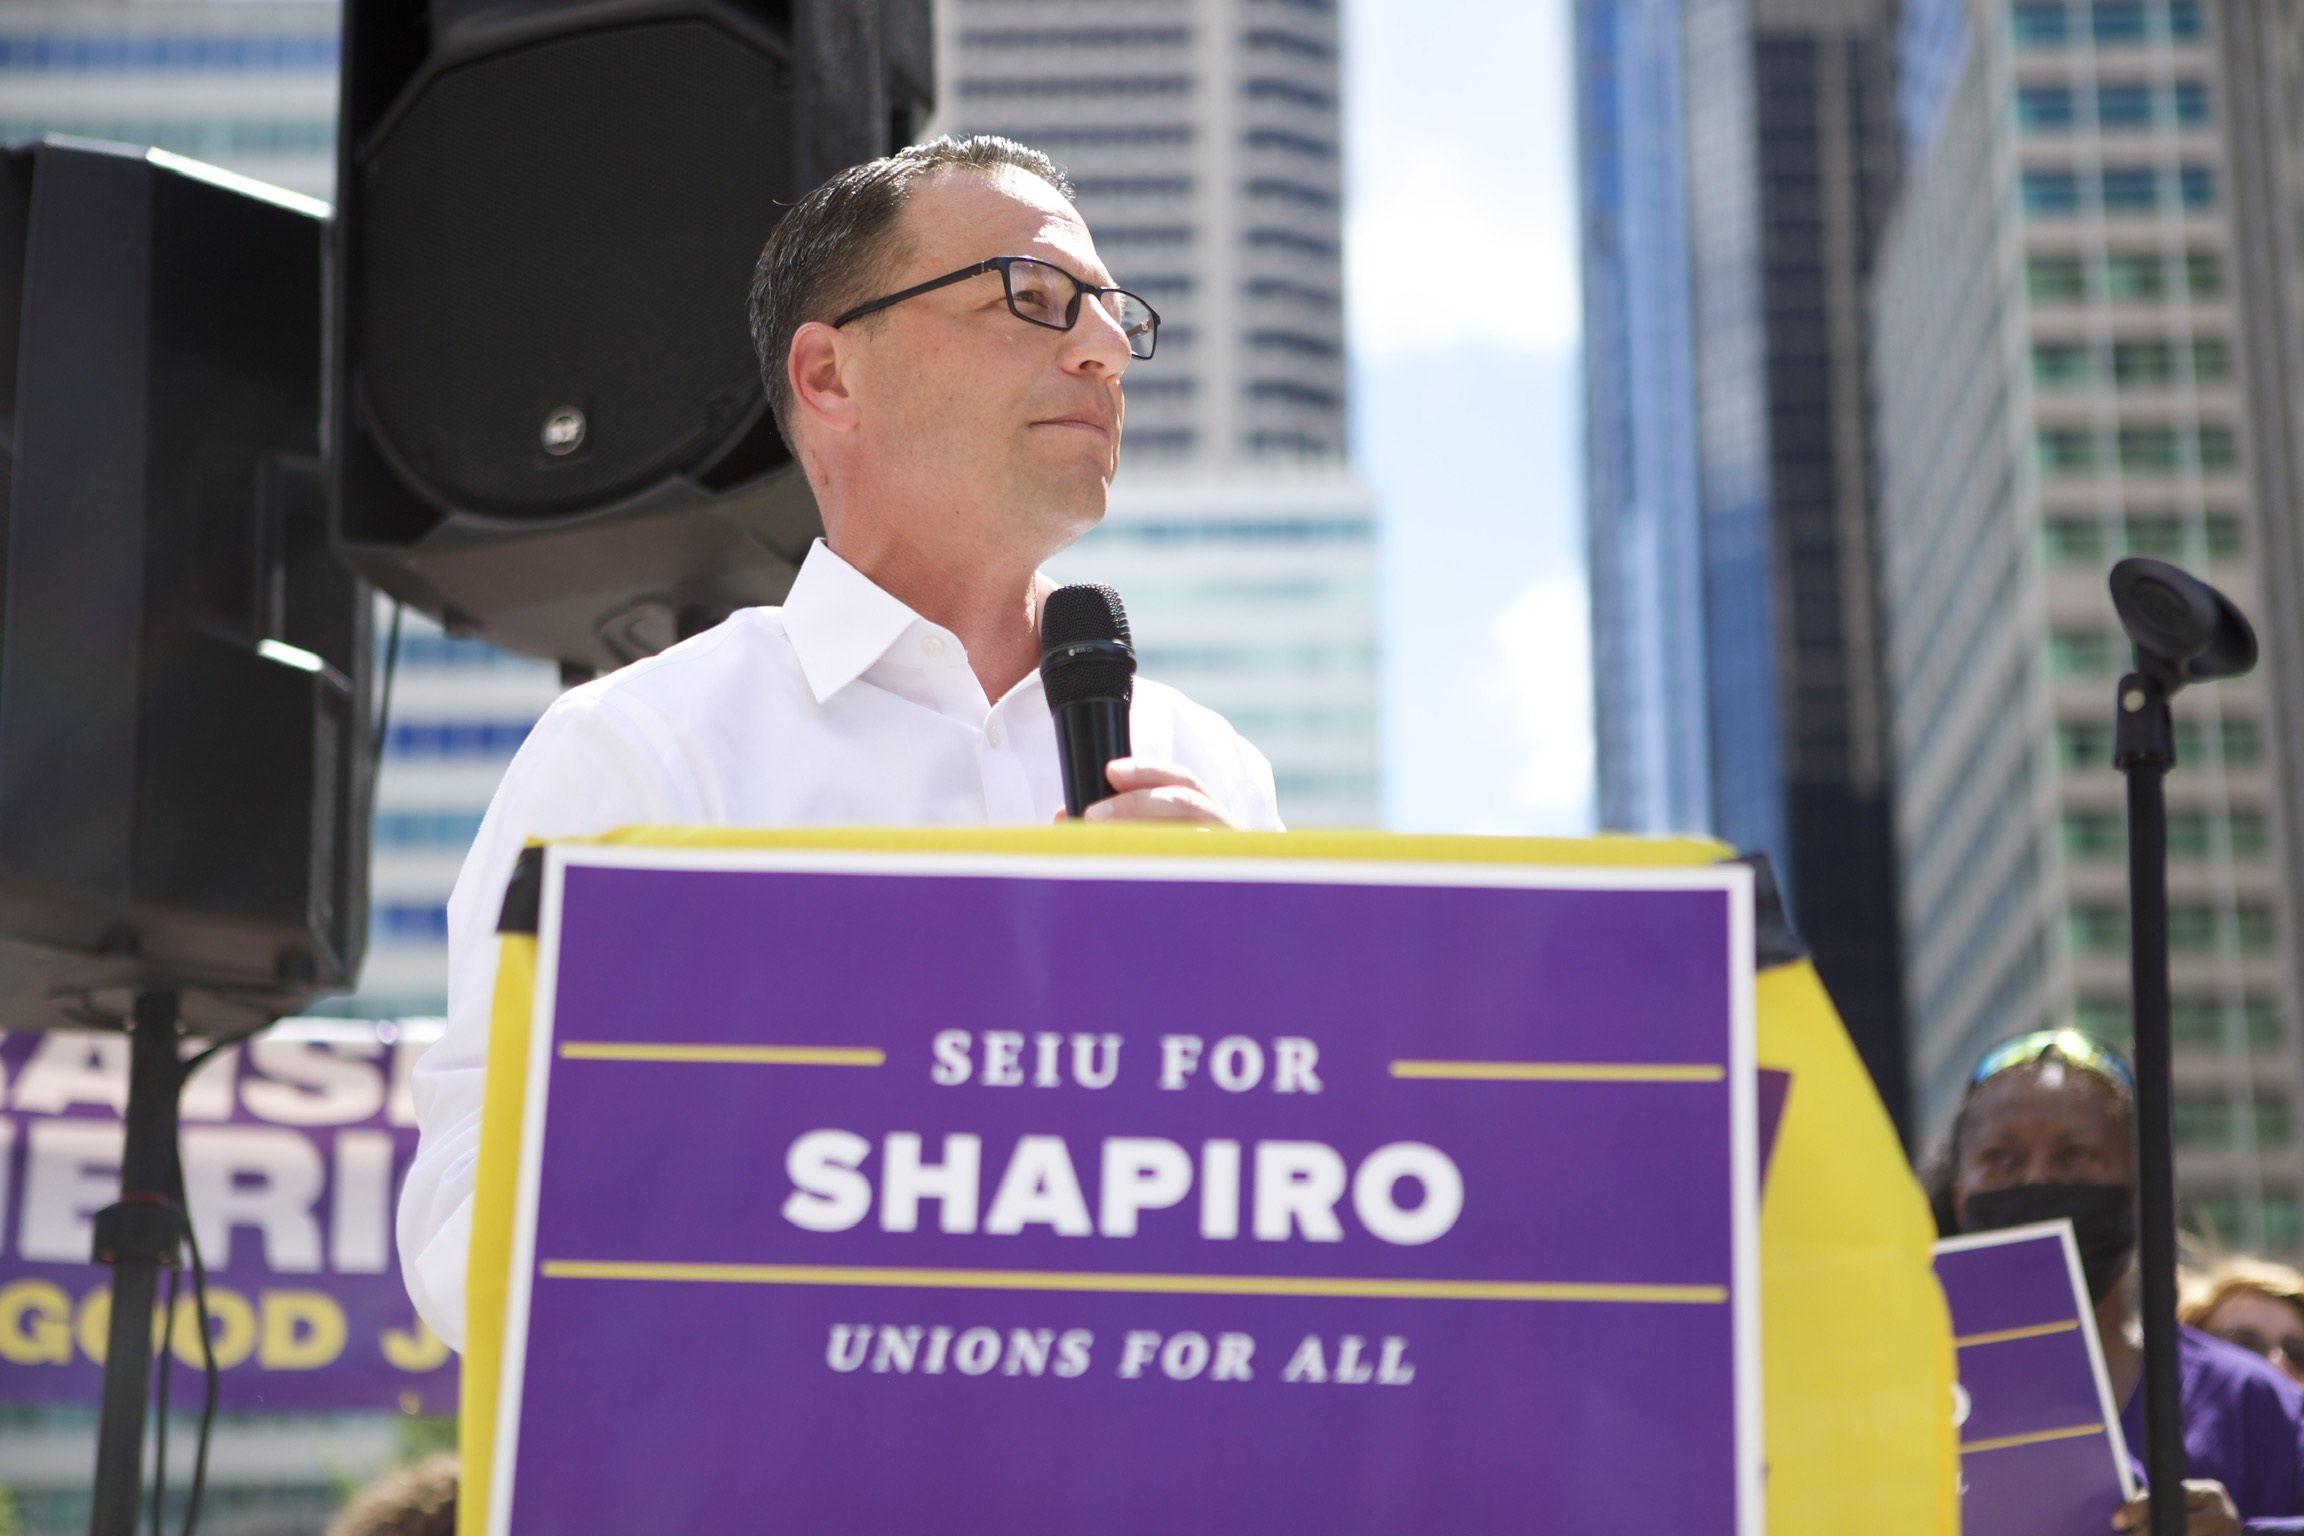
(302, 1331)
(35, 1324)
(414, 1349)
(234, 1334)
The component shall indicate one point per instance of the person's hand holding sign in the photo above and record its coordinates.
(2208, 1511)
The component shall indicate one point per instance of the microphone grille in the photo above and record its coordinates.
(1077, 615)
(1084, 649)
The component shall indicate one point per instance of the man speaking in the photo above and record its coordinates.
(943, 353)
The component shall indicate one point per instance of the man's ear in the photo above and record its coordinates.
(817, 373)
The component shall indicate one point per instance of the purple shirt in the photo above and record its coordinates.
(2243, 1426)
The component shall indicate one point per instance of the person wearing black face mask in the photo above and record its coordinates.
(2047, 1130)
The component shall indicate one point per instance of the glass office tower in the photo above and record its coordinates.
(1738, 160)
(2061, 348)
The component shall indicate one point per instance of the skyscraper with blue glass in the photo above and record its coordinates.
(1738, 160)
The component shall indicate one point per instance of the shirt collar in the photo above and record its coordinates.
(839, 622)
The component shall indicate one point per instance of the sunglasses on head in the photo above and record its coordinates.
(2066, 1045)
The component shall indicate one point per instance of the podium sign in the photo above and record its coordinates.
(991, 1192)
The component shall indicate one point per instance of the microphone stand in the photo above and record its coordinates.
(137, 1236)
(2184, 631)
(2144, 749)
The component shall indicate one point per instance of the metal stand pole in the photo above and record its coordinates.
(2144, 749)
(136, 1237)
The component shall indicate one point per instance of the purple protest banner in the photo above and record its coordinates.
(997, 1193)
(2041, 1453)
(293, 1146)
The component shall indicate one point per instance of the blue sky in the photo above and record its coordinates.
(1464, 314)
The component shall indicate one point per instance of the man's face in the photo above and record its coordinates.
(1011, 430)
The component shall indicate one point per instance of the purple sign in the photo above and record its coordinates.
(989, 1193)
(2041, 1452)
(293, 1147)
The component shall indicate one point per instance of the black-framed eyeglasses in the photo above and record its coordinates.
(1036, 295)
(2289, 1347)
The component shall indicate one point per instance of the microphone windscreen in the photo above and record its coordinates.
(1084, 647)
(1079, 614)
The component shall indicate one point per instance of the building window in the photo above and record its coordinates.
(457, 738)
(2051, 194)
(1302, 293)
(2098, 929)
(2130, 188)
(2225, 540)
(1272, 40)
(2056, 279)
(2199, 183)
(1291, 143)
(2203, 274)
(2211, 359)
(1294, 343)
(2041, 23)
(2066, 450)
(2086, 653)
(2061, 364)
(1272, 188)
(996, 38)
(1267, 88)
(2092, 835)
(1091, 86)
(2134, 277)
(410, 922)
(2072, 541)
(427, 829)
(2200, 1119)
(1291, 241)
(2045, 108)
(2191, 103)
(2084, 746)
(2149, 450)
(1290, 392)
(2121, 23)
(2186, 24)
(2136, 363)
(1133, 186)
(225, 52)
(2124, 104)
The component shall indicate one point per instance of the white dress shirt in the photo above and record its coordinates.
(842, 708)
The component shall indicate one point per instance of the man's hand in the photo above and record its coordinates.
(2208, 1511)
(1150, 790)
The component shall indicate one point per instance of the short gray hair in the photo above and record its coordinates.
(835, 248)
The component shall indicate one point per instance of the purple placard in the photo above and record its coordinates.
(1239, 1304)
(294, 1145)
(2041, 1453)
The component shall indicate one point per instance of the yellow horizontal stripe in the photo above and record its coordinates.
(740, 1055)
(1092, 1280)
(1564, 1071)
(2036, 1437)
(2037, 1330)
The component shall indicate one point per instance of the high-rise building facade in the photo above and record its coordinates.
(1204, 137)
(2061, 349)
(1738, 163)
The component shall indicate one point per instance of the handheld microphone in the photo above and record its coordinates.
(1088, 671)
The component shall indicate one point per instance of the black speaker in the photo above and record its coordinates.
(183, 663)
(549, 426)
